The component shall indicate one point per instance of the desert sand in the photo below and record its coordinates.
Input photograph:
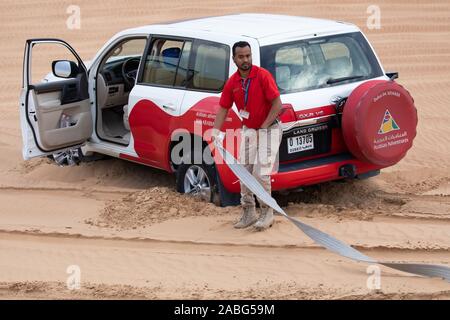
(133, 236)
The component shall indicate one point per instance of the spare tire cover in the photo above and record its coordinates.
(379, 122)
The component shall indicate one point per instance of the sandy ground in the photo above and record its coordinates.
(133, 236)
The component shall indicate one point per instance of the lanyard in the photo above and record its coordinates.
(245, 86)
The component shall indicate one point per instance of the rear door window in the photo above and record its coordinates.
(210, 64)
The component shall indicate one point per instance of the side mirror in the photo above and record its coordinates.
(65, 69)
(392, 75)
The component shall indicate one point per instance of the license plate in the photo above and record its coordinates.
(300, 143)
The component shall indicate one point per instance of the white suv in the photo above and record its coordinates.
(343, 116)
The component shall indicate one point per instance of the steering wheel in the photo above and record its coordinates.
(129, 71)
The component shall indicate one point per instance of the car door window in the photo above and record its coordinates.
(162, 61)
(210, 66)
(41, 61)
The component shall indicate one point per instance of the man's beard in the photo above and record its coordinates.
(245, 67)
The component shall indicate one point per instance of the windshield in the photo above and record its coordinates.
(320, 62)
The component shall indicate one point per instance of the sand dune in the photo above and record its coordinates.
(133, 236)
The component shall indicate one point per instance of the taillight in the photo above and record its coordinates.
(287, 113)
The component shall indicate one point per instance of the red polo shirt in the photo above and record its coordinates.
(261, 92)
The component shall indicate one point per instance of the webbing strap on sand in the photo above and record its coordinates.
(320, 237)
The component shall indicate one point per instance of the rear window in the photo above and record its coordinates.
(320, 62)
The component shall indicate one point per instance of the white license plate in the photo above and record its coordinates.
(300, 143)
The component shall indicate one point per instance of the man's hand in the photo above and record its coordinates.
(217, 136)
(220, 119)
(275, 110)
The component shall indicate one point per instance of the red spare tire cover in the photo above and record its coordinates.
(379, 122)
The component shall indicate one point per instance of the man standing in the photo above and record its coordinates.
(257, 98)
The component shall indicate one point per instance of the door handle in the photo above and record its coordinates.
(169, 107)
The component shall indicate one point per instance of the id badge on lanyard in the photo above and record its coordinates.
(244, 113)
